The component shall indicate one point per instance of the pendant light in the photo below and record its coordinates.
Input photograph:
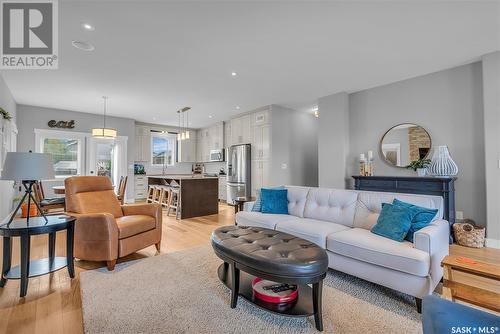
(183, 123)
(104, 132)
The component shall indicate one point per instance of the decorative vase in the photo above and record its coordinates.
(442, 164)
(421, 171)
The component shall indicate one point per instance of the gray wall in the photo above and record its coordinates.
(6, 190)
(30, 118)
(449, 105)
(294, 143)
(333, 140)
(491, 92)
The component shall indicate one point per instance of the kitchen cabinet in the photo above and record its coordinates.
(260, 175)
(210, 138)
(140, 187)
(227, 134)
(142, 143)
(222, 188)
(187, 148)
(261, 142)
(241, 132)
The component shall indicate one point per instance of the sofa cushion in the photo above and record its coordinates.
(331, 205)
(274, 201)
(135, 224)
(394, 222)
(422, 218)
(297, 197)
(369, 205)
(310, 229)
(258, 219)
(361, 244)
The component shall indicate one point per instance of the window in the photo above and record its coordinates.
(163, 149)
(65, 148)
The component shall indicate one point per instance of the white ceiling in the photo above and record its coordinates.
(152, 58)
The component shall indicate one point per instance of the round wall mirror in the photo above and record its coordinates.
(405, 143)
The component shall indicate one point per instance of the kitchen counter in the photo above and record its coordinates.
(199, 194)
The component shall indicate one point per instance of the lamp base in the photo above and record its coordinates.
(28, 186)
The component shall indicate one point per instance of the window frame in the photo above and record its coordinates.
(164, 135)
(41, 135)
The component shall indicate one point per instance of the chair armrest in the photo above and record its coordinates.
(95, 226)
(146, 209)
(248, 206)
(434, 239)
(96, 236)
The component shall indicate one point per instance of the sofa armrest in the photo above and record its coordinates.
(146, 209)
(248, 206)
(434, 239)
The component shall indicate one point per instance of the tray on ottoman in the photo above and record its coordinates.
(250, 252)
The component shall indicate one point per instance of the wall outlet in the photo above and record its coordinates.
(284, 166)
(459, 215)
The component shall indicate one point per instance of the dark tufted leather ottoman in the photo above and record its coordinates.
(275, 256)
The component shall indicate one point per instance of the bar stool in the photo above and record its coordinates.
(164, 195)
(151, 194)
(174, 201)
(157, 193)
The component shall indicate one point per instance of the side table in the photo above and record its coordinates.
(23, 229)
(239, 201)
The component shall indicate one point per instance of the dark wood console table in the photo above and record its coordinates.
(437, 186)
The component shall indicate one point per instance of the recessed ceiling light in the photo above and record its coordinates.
(210, 116)
(234, 74)
(237, 107)
(85, 46)
(88, 26)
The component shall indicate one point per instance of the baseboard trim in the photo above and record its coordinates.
(493, 243)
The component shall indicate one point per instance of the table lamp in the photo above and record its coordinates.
(28, 168)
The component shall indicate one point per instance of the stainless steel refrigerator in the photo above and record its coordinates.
(238, 172)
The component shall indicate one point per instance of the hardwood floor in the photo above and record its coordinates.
(53, 303)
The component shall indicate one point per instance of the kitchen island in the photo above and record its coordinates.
(199, 193)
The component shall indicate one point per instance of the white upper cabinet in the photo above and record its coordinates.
(142, 143)
(241, 130)
(210, 138)
(261, 142)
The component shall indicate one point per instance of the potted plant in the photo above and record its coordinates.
(419, 166)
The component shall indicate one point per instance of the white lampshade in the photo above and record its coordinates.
(24, 166)
(104, 133)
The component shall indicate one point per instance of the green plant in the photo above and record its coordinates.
(5, 114)
(420, 163)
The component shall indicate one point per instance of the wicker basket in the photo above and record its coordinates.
(468, 234)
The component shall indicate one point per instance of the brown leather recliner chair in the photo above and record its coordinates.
(106, 230)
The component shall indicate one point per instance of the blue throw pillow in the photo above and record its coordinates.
(274, 201)
(422, 218)
(393, 222)
(257, 206)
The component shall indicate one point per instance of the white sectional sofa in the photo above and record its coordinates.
(340, 221)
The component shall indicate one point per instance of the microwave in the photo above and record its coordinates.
(217, 155)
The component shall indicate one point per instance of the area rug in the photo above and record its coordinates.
(180, 293)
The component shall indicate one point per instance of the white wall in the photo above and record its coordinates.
(6, 190)
(449, 105)
(491, 94)
(294, 153)
(333, 140)
(31, 117)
